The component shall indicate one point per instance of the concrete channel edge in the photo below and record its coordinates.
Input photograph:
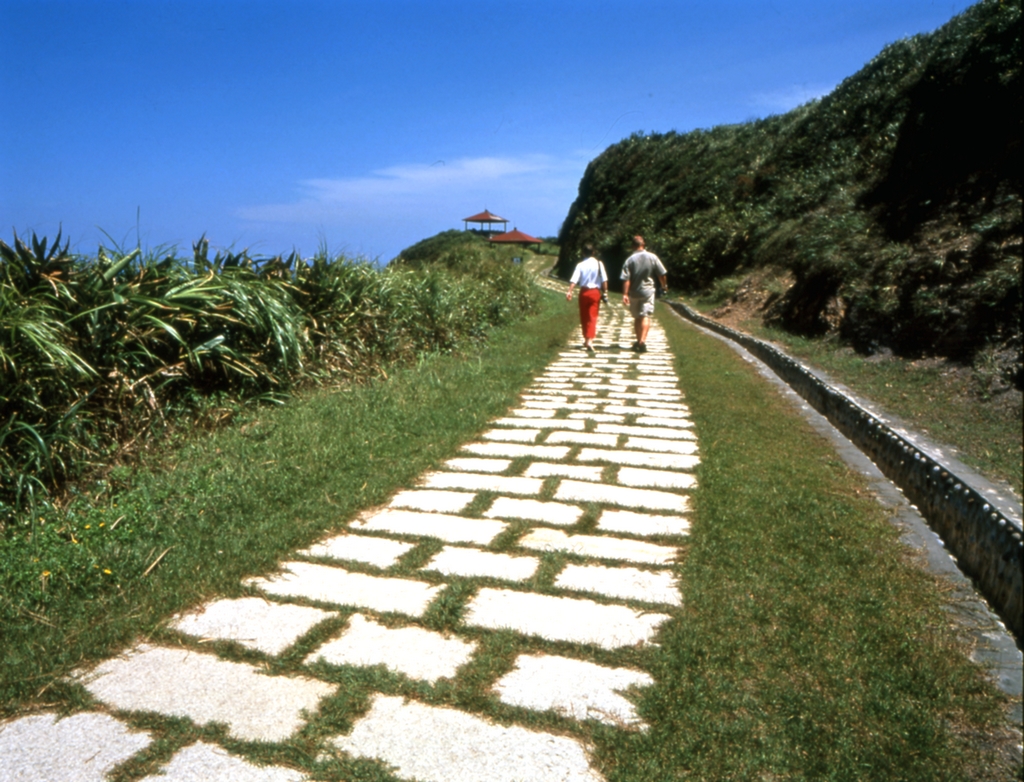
(988, 545)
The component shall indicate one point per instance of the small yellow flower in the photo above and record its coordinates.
(46, 572)
(107, 571)
(87, 526)
(103, 523)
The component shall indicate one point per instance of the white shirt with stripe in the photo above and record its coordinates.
(589, 273)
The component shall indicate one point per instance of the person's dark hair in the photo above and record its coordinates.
(588, 250)
(638, 241)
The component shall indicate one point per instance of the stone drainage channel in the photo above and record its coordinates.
(610, 428)
(979, 522)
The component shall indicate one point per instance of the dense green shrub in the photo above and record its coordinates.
(96, 352)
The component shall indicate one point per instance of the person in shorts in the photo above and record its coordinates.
(638, 275)
(592, 278)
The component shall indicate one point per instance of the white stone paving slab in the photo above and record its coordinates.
(513, 450)
(542, 393)
(534, 510)
(680, 422)
(626, 582)
(433, 744)
(202, 762)
(559, 405)
(204, 688)
(575, 689)
(579, 491)
(656, 479)
(79, 748)
(617, 408)
(339, 586)
(543, 539)
(659, 392)
(562, 618)
(642, 524)
(661, 446)
(584, 438)
(640, 396)
(478, 465)
(471, 562)
(511, 435)
(454, 529)
(554, 423)
(483, 482)
(603, 417)
(528, 412)
(432, 500)
(374, 551)
(680, 412)
(252, 622)
(663, 433)
(418, 653)
(580, 472)
(659, 405)
(658, 461)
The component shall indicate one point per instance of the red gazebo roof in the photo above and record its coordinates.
(515, 236)
(484, 217)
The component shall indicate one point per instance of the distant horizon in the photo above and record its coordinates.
(365, 128)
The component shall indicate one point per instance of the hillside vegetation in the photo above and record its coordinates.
(97, 354)
(887, 214)
(467, 251)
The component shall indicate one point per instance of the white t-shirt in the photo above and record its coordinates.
(589, 273)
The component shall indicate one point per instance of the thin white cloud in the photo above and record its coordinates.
(420, 188)
(790, 97)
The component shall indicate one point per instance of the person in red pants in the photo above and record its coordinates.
(592, 279)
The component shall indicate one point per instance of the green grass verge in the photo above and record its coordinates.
(232, 504)
(952, 404)
(810, 646)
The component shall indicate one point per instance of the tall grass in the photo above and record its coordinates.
(96, 353)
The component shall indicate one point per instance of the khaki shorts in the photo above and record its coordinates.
(641, 306)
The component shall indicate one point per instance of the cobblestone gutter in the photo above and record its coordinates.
(987, 544)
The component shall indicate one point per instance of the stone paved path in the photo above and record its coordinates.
(595, 463)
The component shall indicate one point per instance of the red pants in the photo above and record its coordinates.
(590, 301)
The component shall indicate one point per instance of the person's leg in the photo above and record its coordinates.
(590, 300)
(583, 316)
(644, 327)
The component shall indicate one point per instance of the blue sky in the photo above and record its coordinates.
(367, 126)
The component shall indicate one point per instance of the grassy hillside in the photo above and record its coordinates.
(887, 213)
(466, 251)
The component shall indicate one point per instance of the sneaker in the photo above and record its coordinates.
(636, 347)
(641, 347)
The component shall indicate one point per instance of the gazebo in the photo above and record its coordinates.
(515, 236)
(485, 217)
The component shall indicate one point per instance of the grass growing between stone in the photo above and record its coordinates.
(810, 645)
(231, 505)
(806, 647)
